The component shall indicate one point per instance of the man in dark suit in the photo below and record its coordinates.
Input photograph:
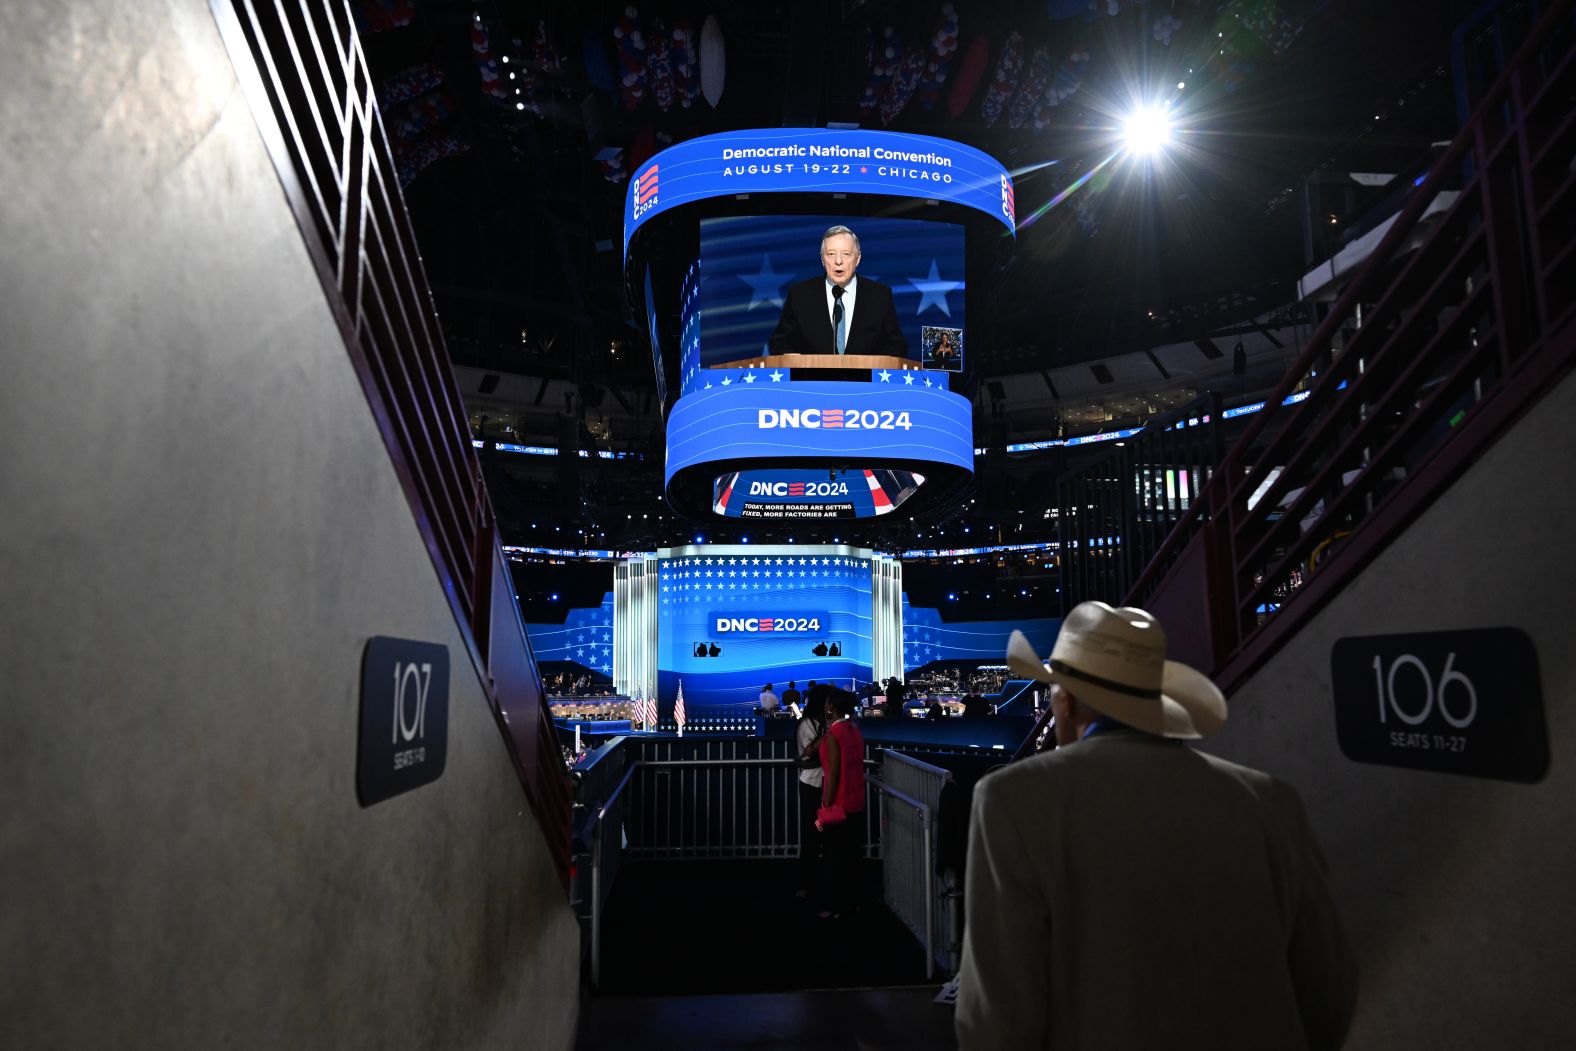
(839, 313)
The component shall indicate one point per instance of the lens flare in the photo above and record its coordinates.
(1146, 130)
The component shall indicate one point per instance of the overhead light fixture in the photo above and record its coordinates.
(1146, 130)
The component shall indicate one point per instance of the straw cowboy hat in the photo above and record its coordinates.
(1114, 661)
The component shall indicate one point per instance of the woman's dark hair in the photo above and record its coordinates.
(840, 701)
(815, 704)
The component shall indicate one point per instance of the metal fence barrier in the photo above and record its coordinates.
(720, 798)
(911, 804)
(687, 799)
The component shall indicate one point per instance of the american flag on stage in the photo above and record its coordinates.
(678, 709)
(648, 713)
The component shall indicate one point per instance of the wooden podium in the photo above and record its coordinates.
(823, 361)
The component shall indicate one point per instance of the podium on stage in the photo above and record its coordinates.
(865, 362)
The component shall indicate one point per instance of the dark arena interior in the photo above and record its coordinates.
(776, 524)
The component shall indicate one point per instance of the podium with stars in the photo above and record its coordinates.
(719, 227)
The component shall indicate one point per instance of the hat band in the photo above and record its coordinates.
(1063, 668)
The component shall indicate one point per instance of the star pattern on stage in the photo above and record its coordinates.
(922, 644)
(587, 640)
(691, 580)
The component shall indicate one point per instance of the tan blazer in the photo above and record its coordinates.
(1129, 892)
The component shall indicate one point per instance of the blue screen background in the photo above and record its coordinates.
(748, 262)
(778, 583)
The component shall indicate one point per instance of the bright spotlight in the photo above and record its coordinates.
(1146, 130)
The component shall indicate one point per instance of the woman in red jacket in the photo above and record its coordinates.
(842, 792)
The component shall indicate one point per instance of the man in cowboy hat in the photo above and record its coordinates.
(1126, 891)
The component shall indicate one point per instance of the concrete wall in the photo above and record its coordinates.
(199, 529)
(1458, 892)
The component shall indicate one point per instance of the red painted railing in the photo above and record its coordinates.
(1457, 323)
(308, 85)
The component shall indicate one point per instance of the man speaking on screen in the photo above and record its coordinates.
(839, 313)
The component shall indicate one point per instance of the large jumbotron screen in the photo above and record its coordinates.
(748, 262)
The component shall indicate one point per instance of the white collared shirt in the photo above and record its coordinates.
(849, 292)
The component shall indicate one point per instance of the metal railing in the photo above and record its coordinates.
(720, 798)
(613, 825)
(306, 80)
(910, 832)
(1443, 340)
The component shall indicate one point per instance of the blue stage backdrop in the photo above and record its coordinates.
(835, 590)
(767, 615)
(748, 262)
(585, 637)
(927, 638)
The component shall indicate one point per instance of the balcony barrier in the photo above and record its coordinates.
(306, 81)
(1428, 356)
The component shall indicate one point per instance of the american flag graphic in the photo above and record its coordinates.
(678, 708)
(878, 494)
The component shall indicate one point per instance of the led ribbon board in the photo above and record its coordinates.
(818, 160)
(873, 430)
(813, 494)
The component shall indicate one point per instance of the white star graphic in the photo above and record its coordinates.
(933, 291)
(776, 376)
(927, 381)
(726, 381)
(886, 377)
(749, 377)
(908, 379)
(707, 387)
(766, 287)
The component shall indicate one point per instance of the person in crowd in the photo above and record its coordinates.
(974, 704)
(892, 707)
(700, 649)
(768, 700)
(934, 710)
(1126, 891)
(819, 649)
(839, 313)
(807, 742)
(836, 650)
(791, 695)
(842, 787)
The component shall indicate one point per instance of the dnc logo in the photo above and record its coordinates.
(645, 192)
(797, 489)
(1009, 206)
(727, 624)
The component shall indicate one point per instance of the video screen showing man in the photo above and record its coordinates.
(839, 313)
